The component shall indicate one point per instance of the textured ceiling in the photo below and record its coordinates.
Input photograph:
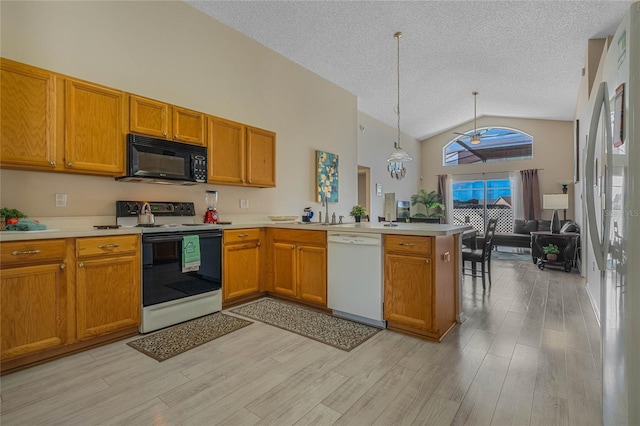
(523, 57)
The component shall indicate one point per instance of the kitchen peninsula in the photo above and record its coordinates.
(422, 277)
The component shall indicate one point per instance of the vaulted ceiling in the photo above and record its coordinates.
(523, 57)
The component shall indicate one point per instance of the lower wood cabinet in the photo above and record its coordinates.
(300, 264)
(242, 258)
(33, 299)
(108, 284)
(420, 284)
(61, 295)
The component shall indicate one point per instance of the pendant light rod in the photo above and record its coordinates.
(475, 125)
(397, 36)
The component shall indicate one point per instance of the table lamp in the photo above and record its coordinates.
(555, 202)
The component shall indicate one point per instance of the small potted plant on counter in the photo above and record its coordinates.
(9, 217)
(551, 251)
(357, 212)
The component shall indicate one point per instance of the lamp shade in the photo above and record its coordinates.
(555, 201)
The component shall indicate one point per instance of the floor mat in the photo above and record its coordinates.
(182, 337)
(340, 333)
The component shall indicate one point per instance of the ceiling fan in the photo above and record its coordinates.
(475, 137)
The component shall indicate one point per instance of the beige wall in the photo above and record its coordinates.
(553, 143)
(170, 51)
(375, 144)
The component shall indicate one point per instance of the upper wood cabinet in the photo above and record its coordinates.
(94, 128)
(240, 154)
(27, 116)
(154, 118)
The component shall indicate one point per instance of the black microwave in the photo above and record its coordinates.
(161, 161)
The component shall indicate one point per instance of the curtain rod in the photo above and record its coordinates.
(485, 173)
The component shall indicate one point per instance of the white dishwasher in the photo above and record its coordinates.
(354, 277)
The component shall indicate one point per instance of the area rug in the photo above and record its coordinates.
(173, 341)
(501, 255)
(340, 333)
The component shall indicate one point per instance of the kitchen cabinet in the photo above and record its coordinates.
(28, 116)
(34, 294)
(94, 128)
(108, 284)
(420, 285)
(299, 261)
(240, 155)
(158, 119)
(242, 259)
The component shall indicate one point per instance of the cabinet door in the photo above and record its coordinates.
(241, 270)
(261, 157)
(108, 295)
(312, 274)
(188, 126)
(226, 151)
(408, 294)
(27, 116)
(284, 269)
(148, 117)
(33, 311)
(94, 128)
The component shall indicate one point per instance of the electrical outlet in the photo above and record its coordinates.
(61, 200)
(244, 203)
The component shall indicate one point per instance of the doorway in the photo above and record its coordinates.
(364, 188)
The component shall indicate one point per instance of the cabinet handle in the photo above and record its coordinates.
(69, 164)
(446, 257)
(52, 163)
(165, 134)
(242, 235)
(258, 244)
(175, 136)
(427, 261)
(250, 181)
(80, 265)
(299, 248)
(106, 246)
(18, 253)
(407, 244)
(63, 266)
(292, 247)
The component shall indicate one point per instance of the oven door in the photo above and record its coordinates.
(162, 276)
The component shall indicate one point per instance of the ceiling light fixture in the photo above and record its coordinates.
(398, 155)
(475, 139)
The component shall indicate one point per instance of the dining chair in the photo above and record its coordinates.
(424, 220)
(482, 255)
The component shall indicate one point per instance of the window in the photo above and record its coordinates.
(496, 144)
(475, 201)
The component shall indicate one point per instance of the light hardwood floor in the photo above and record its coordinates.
(527, 354)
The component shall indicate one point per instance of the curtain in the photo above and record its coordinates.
(516, 194)
(530, 194)
(444, 189)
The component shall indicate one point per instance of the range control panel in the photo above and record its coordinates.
(158, 208)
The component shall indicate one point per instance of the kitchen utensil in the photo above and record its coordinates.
(211, 198)
(146, 217)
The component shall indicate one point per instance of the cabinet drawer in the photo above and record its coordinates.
(300, 237)
(30, 252)
(241, 235)
(408, 244)
(112, 244)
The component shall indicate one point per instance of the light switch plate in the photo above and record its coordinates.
(244, 203)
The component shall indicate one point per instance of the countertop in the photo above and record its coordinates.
(83, 230)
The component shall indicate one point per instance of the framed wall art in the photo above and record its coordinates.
(326, 176)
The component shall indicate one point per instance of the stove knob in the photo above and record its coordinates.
(135, 208)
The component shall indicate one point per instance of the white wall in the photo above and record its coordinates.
(553, 143)
(169, 51)
(375, 144)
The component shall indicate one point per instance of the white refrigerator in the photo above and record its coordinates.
(612, 197)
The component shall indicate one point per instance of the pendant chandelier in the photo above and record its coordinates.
(399, 155)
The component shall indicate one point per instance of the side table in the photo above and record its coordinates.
(567, 257)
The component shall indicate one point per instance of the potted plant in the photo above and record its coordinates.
(357, 212)
(551, 251)
(431, 201)
(9, 217)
